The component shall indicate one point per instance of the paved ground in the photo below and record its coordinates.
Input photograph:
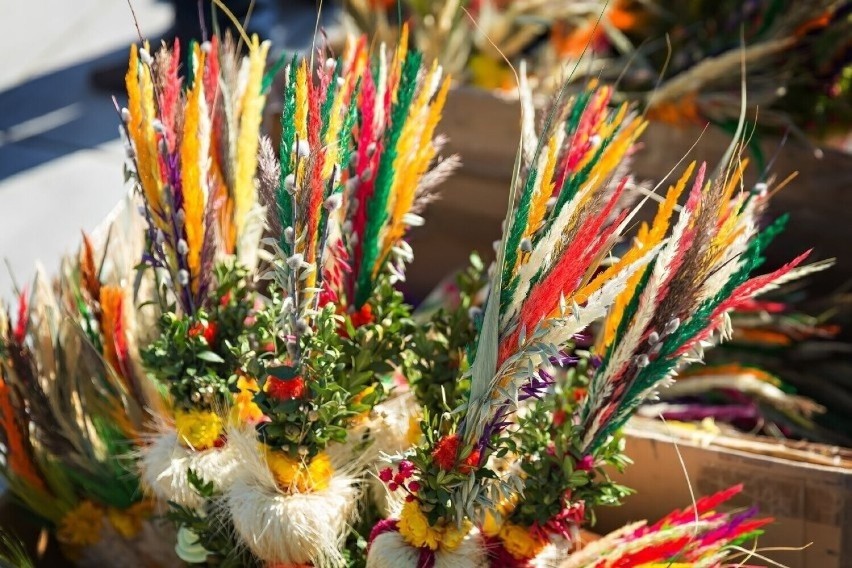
(60, 156)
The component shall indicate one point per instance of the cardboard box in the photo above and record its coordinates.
(810, 502)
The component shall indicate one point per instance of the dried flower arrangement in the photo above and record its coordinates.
(270, 369)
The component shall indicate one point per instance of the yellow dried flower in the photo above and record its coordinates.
(198, 429)
(519, 542)
(303, 477)
(453, 536)
(415, 528)
(128, 522)
(414, 434)
(244, 409)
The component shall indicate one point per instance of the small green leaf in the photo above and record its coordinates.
(210, 357)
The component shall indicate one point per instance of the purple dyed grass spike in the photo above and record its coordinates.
(564, 360)
(728, 529)
(537, 386)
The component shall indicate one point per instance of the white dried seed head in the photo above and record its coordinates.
(302, 148)
(332, 202)
(145, 56)
(295, 261)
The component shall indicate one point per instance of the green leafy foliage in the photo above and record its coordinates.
(555, 473)
(438, 346)
(194, 356)
(340, 372)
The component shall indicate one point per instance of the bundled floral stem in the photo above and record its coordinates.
(563, 222)
(765, 380)
(72, 407)
(698, 536)
(357, 157)
(193, 146)
(667, 294)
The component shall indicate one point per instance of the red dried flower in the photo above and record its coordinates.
(445, 452)
(587, 463)
(206, 329)
(386, 474)
(414, 486)
(470, 462)
(284, 389)
(358, 318)
(406, 468)
(362, 316)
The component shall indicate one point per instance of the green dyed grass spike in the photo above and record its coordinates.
(516, 231)
(576, 113)
(573, 183)
(270, 74)
(288, 137)
(346, 148)
(328, 103)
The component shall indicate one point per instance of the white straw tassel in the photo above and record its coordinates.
(164, 465)
(389, 550)
(289, 528)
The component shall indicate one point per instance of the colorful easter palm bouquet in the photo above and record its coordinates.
(516, 468)
(246, 380)
(193, 155)
(74, 404)
(273, 370)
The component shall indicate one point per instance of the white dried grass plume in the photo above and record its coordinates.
(164, 465)
(294, 528)
(389, 550)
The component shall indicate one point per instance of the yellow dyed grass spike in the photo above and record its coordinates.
(612, 156)
(193, 155)
(140, 103)
(247, 143)
(735, 181)
(538, 207)
(646, 239)
(395, 72)
(331, 133)
(301, 118)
